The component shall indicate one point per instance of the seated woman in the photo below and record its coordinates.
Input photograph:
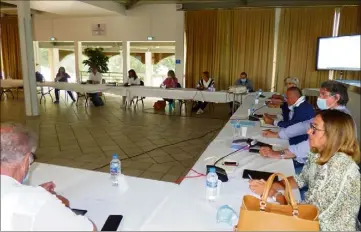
(170, 82)
(132, 80)
(203, 84)
(331, 172)
(62, 76)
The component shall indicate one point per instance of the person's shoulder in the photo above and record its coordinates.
(342, 163)
(306, 105)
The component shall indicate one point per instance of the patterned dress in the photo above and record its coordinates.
(335, 189)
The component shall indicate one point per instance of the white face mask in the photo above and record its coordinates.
(322, 104)
(243, 80)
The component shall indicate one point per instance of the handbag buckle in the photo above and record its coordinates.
(262, 205)
(295, 212)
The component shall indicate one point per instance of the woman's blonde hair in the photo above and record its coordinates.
(341, 136)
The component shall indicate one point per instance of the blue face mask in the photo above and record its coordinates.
(227, 215)
(243, 80)
(26, 178)
(321, 104)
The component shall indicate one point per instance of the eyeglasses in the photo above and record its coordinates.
(314, 128)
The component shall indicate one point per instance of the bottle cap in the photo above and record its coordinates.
(115, 156)
(212, 169)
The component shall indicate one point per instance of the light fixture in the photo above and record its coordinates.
(52, 38)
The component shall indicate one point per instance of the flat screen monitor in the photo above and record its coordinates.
(339, 53)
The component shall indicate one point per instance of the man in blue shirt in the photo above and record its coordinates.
(333, 95)
(243, 81)
(297, 110)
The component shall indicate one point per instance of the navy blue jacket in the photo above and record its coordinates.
(301, 113)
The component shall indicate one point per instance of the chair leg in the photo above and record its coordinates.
(12, 94)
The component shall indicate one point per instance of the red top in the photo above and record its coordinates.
(170, 82)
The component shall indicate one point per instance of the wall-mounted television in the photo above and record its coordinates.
(339, 53)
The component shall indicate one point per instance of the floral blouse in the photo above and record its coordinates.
(335, 189)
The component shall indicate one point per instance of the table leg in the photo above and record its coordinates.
(234, 103)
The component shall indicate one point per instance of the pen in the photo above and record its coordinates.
(250, 177)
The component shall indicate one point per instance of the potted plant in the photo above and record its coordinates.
(97, 59)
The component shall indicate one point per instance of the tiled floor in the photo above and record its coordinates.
(155, 145)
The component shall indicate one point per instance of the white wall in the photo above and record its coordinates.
(159, 20)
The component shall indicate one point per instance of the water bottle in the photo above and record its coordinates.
(115, 170)
(252, 110)
(260, 92)
(212, 184)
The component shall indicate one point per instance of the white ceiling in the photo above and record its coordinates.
(76, 8)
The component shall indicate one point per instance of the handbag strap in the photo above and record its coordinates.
(288, 192)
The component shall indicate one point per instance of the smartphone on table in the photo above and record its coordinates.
(112, 223)
(79, 211)
(257, 175)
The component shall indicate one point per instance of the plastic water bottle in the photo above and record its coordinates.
(252, 110)
(260, 92)
(212, 184)
(115, 170)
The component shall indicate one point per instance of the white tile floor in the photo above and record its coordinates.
(156, 145)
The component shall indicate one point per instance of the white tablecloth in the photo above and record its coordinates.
(87, 88)
(133, 91)
(188, 209)
(10, 83)
(94, 192)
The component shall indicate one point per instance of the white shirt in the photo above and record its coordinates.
(131, 81)
(97, 77)
(29, 208)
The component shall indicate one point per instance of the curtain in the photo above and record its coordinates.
(200, 29)
(299, 30)
(10, 47)
(350, 24)
(228, 42)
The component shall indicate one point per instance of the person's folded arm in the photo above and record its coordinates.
(54, 215)
(295, 130)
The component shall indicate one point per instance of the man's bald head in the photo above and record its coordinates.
(293, 94)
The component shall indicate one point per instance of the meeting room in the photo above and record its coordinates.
(187, 115)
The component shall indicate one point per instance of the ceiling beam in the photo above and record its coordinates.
(229, 4)
(130, 4)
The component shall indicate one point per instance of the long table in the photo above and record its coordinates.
(133, 91)
(188, 209)
(156, 205)
(135, 198)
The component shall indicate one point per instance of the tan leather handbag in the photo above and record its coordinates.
(258, 214)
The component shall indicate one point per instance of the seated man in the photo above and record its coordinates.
(205, 83)
(298, 110)
(29, 208)
(95, 77)
(279, 100)
(243, 81)
(333, 95)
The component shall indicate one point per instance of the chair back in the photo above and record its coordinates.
(179, 85)
(142, 83)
